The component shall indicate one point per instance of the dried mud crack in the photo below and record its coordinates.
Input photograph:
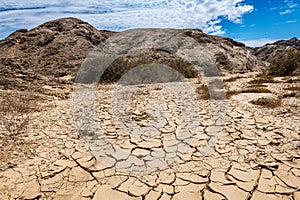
(256, 156)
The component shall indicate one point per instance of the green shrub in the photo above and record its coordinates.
(123, 64)
(285, 63)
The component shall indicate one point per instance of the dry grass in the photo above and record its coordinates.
(15, 112)
(203, 92)
(296, 88)
(256, 90)
(231, 93)
(261, 80)
(257, 85)
(291, 94)
(232, 79)
(269, 102)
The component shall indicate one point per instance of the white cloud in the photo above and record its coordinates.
(124, 14)
(291, 3)
(286, 12)
(289, 8)
(291, 21)
(257, 42)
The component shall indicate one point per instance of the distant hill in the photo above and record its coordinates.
(53, 52)
(269, 51)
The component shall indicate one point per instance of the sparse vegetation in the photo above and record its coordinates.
(269, 102)
(203, 92)
(230, 93)
(15, 112)
(256, 90)
(296, 88)
(285, 63)
(122, 65)
(290, 94)
(257, 85)
(261, 80)
(232, 79)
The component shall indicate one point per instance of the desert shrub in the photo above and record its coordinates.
(232, 79)
(257, 85)
(295, 88)
(256, 90)
(15, 112)
(150, 73)
(230, 93)
(290, 94)
(285, 63)
(265, 79)
(203, 92)
(120, 66)
(269, 102)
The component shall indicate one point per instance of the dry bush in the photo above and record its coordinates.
(232, 79)
(291, 94)
(257, 85)
(123, 64)
(296, 88)
(15, 112)
(231, 93)
(265, 79)
(256, 90)
(203, 92)
(269, 102)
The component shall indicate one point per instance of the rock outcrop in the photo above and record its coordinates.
(231, 56)
(269, 51)
(53, 52)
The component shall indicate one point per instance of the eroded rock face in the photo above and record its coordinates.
(46, 53)
(231, 56)
(269, 51)
(52, 53)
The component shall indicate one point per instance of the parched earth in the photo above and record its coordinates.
(159, 141)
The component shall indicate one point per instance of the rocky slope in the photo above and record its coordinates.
(270, 51)
(50, 51)
(53, 52)
(231, 56)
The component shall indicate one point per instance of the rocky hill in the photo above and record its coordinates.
(269, 51)
(230, 56)
(52, 53)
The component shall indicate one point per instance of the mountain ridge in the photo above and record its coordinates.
(54, 51)
(270, 50)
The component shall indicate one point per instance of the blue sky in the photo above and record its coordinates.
(254, 22)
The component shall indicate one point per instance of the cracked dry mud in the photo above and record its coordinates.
(256, 155)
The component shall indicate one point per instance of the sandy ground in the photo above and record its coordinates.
(158, 141)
